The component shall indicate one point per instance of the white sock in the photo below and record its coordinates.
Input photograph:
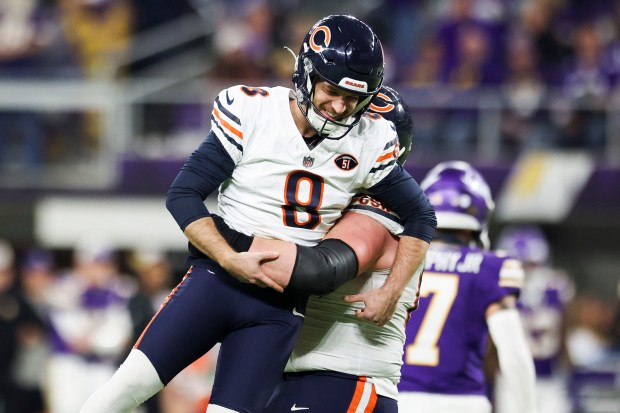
(134, 382)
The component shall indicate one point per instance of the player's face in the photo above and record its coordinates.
(334, 103)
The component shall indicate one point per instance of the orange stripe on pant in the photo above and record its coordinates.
(161, 307)
(364, 398)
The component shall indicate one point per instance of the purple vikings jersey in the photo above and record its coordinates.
(447, 335)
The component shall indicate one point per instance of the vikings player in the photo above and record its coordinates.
(467, 294)
(542, 304)
(286, 163)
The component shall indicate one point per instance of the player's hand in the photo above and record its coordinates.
(245, 266)
(379, 305)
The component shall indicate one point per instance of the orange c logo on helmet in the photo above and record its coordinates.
(328, 36)
(382, 109)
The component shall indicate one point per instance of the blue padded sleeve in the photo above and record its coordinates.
(402, 194)
(201, 174)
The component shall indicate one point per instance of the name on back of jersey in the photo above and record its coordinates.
(453, 261)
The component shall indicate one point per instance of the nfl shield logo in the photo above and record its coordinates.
(308, 161)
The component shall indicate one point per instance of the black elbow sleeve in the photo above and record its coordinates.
(323, 268)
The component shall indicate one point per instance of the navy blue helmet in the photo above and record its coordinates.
(345, 52)
(389, 104)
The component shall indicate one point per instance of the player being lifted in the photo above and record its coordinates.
(336, 355)
(468, 293)
(286, 164)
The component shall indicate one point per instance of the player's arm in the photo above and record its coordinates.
(201, 174)
(353, 245)
(515, 359)
(402, 194)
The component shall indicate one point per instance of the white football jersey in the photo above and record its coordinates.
(280, 188)
(333, 338)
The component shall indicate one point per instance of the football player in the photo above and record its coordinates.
(468, 293)
(351, 363)
(542, 304)
(286, 163)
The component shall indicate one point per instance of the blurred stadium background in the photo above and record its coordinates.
(101, 101)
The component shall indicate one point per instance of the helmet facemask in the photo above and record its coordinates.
(325, 127)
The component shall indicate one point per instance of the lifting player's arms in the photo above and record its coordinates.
(354, 244)
(468, 293)
(286, 163)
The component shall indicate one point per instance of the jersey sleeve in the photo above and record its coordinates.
(385, 156)
(366, 205)
(511, 275)
(503, 276)
(227, 120)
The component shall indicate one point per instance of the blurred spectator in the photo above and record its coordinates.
(30, 41)
(525, 124)
(99, 32)
(611, 56)
(20, 330)
(543, 302)
(470, 62)
(154, 283)
(551, 47)
(588, 339)
(425, 75)
(472, 47)
(91, 326)
(37, 272)
(28, 49)
(243, 42)
(402, 26)
(586, 86)
(425, 71)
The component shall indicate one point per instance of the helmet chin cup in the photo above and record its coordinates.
(322, 125)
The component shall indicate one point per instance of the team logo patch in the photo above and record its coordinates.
(346, 162)
(308, 161)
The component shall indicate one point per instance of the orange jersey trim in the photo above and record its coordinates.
(227, 125)
(161, 307)
(384, 157)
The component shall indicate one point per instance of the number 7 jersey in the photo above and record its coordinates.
(447, 336)
(280, 188)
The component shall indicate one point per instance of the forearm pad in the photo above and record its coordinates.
(238, 241)
(323, 268)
